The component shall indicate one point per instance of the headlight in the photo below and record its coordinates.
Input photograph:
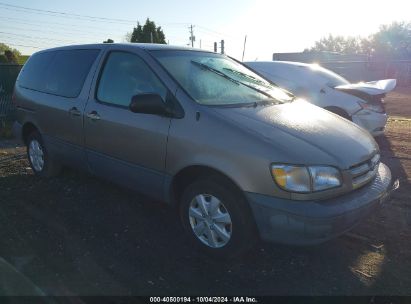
(306, 179)
(324, 177)
(292, 178)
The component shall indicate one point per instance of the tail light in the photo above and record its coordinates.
(370, 102)
(372, 106)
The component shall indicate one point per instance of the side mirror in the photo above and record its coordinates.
(149, 103)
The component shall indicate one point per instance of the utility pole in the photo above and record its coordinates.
(245, 41)
(200, 43)
(151, 37)
(192, 37)
(222, 46)
(215, 47)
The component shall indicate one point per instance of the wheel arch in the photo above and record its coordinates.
(244, 212)
(339, 111)
(27, 129)
(191, 173)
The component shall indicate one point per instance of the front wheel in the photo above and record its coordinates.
(40, 161)
(217, 218)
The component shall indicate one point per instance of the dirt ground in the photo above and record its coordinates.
(398, 102)
(78, 235)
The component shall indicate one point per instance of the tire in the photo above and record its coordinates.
(239, 225)
(339, 112)
(40, 160)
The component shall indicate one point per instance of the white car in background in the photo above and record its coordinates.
(361, 103)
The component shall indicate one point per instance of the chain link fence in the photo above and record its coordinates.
(355, 67)
(8, 76)
(356, 71)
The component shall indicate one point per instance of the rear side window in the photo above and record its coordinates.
(59, 73)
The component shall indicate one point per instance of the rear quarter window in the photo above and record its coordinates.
(32, 74)
(59, 73)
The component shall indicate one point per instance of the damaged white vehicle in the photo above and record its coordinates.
(361, 103)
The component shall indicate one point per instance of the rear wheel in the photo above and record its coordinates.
(217, 218)
(40, 161)
(339, 112)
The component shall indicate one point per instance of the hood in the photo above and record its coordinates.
(302, 133)
(378, 87)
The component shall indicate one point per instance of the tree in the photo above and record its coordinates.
(11, 58)
(339, 44)
(108, 41)
(8, 54)
(148, 33)
(391, 41)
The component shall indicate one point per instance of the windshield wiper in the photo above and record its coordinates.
(252, 78)
(215, 71)
(211, 69)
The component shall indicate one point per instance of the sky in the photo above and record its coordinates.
(270, 26)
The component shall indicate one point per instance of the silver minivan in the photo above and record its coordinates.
(239, 157)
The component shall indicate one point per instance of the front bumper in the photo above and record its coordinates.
(312, 222)
(373, 122)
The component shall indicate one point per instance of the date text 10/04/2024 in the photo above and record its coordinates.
(203, 300)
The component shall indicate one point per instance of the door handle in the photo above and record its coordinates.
(93, 115)
(74, 112)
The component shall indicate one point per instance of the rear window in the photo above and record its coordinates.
(59, 73)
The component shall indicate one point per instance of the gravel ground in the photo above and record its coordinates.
(78, 235)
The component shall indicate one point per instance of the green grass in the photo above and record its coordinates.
(22, 59)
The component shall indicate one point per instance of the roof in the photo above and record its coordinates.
(145, 46)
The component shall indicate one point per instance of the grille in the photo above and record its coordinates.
(365, 171)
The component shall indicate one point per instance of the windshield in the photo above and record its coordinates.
(214, 79)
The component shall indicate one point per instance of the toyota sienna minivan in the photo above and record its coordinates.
(239, 157)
